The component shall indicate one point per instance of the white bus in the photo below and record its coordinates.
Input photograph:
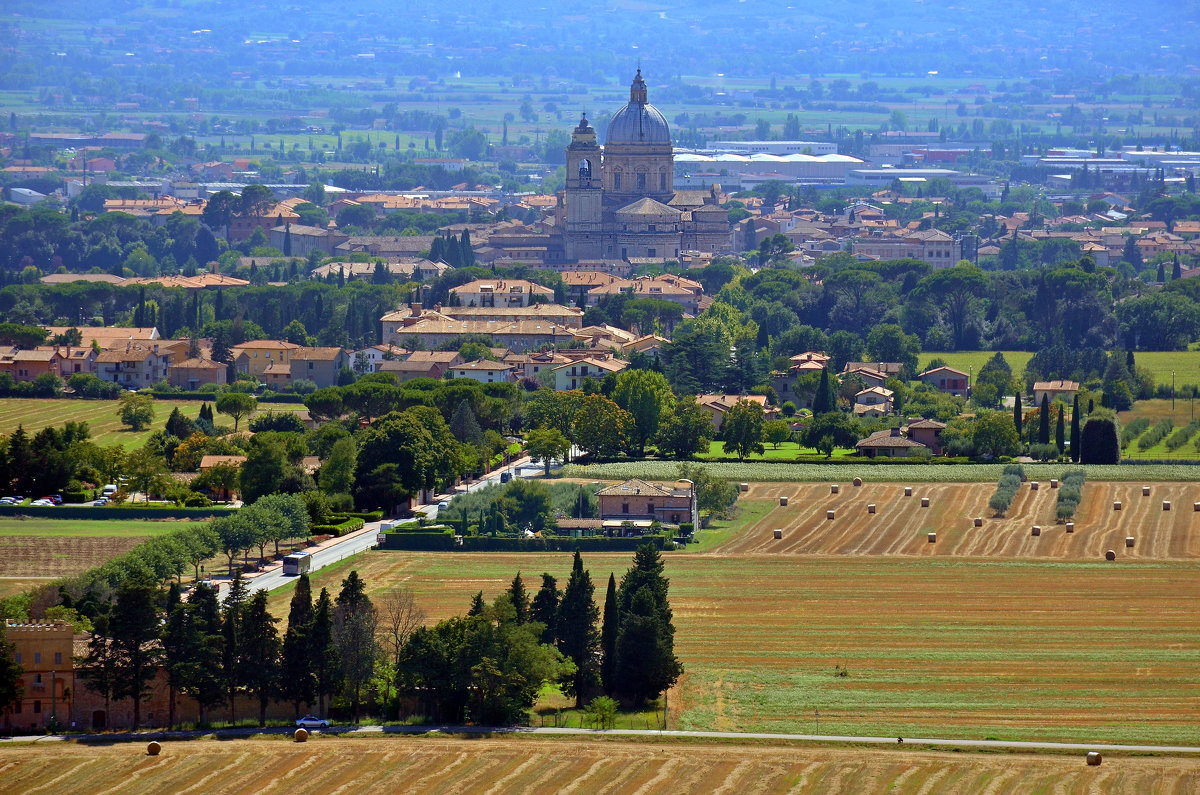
(296, 564)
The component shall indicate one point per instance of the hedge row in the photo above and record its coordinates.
(1006, 488)
(563, 544)
(111, 512)
(1156, 434)
(444, 542)
(339, 529)
(420, 542)
(370, 516)
(1136, 427)
(1070, 491)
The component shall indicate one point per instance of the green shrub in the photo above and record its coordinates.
(1155, 434)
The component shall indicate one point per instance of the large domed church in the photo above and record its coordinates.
(620, 202)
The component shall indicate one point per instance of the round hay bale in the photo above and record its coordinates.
(1037, 530)
(778, 534)
(871, 508)
(1033, 485)
(1094, 759)
(1166, 505)
(1070, 527)
(1116, 505)
(301, 735)
(1110, 555)
(908, 491)
(153, 748)
(833, 488)
(783, 502)
(932, 538)
(1053, 483)
(858, 481)
(1129, 542)
(829, 514)
(1145, 491)
(924, 502)
(979, 521)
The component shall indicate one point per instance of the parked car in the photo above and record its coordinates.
(56, 499)
(311, 722)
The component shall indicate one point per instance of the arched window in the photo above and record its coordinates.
(585, 172)
(641, 180)
(617, 179)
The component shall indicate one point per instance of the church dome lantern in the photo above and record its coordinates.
(638, 122)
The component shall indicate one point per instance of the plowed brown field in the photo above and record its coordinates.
(499, 765)
(900, 525)
(47, 557)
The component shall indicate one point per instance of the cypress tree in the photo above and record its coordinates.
(1044, 421)
(1060, 433)
(477, 605)
(287, 240)
(578, 638)
(204, 678)
(544, 607)
(1075, 430)
(645, 662)
(174, 644)
(324, 655)
(1176, 270)
(231, 630)
(296, 680)
(520, 599)
(608, 635)
(823, 402)
(260, 651)
(1018, 415)
(466, 252)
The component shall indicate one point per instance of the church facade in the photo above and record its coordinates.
(620, 201)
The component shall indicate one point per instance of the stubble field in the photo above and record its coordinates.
(889, 646)
(900, 526)
(526, 764)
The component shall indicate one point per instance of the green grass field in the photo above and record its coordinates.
(787, 451)
(1185, 364)
(33, 414)
(87, 528)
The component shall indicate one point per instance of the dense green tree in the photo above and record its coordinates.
(11, 688)
(337, 470)
(647, 396)
(396, 459)
(355, 624)
(1018, 415)
(134, 629)
(546, 445)
(645, 659)
(136, 410)
(1044, 421)
(233, 662)
(601, 427)
(204, 676)
(1100, 441)
(1060, 433)
(236, 405)
(994, 434)
(831, 430)
(742, 429)
(775, 432)
(685, 430)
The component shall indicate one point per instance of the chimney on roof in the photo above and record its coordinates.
(895, 432)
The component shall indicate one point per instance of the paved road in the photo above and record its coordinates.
(360, 541)
(943, 742)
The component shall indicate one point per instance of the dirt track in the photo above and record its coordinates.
(496, 765)
(900, 526)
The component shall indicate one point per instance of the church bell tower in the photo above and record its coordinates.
(584, 195)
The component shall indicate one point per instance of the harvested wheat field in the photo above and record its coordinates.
(1005, 649)
(900, 525)
(45, 557)
(525, 764)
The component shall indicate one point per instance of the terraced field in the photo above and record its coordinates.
(900, 526)
(889, 646)
(526, 764)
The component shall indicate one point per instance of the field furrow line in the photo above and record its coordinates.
(802, 778)
(732, 779)
(70, 773)
(215, 772)
(281, 783)
(512, 774)
(631, 771)
(1000, 781)
(665, 772)
(440, 771)
(579, 782)
(932, 781)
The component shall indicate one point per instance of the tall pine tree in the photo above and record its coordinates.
(1075, 430)
(1044, 421)
(324, 655)
(231, 631)
(520, 599)
(646, 664)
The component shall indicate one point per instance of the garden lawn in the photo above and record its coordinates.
(33, 414)
(787, 452)
(1098, 652)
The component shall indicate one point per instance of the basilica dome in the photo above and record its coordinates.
(639, 122)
